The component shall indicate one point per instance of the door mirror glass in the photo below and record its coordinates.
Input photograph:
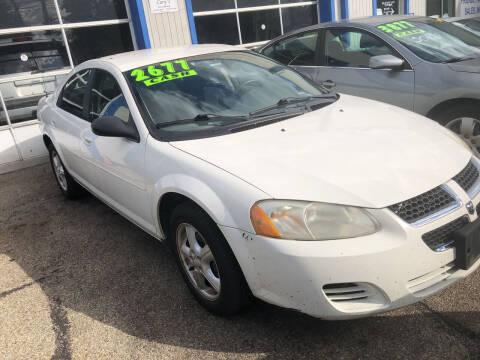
(112, 126)
(386, 62)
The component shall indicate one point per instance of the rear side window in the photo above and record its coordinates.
(73, 93)
(296, 50)
(106, 98)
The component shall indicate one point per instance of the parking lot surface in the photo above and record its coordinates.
(78, 281)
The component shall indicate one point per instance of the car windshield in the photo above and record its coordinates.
(209, 91)
(434, 39)
(472, 25)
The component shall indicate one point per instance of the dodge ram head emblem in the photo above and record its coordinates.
(470, 208)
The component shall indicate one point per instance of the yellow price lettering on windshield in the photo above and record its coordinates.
(403, 34)
(168, 77)
(154, 75)
(395, 26)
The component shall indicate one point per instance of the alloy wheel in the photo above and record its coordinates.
(198, 261)
(469, 129)
(59, 171)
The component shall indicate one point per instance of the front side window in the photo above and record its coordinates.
(297, 50)
(73, 93)
(348, 48)
(434, 40)
(207, 92)
(106, 98)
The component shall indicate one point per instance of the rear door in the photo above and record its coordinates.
(72, 128)
(344, 60)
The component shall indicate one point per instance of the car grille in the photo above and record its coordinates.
(467, 177)
(439, 239)
(421, 206)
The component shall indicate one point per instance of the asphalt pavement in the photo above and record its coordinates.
(78, 281)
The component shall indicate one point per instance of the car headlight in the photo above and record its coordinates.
(303, 220)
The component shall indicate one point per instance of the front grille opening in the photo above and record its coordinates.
(440, 238)
(467, 177)
(424, 205)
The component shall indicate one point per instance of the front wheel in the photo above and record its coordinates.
(463, 120)
(207, 262)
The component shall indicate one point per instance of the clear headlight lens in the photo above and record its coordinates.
(302, 220)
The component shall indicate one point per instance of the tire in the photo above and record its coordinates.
(464, 120)
(230, 293)
(68, 186)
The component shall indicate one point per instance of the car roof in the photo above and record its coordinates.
(452, 19)
(372, 21)
(140, 58)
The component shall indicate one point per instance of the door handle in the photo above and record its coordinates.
(328, 84)
(87, 140)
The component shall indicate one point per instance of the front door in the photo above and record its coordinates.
(345, 61)
(120, 162)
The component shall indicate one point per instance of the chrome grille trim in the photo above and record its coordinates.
(475, 188)
(455, 204)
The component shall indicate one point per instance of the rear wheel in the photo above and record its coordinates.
(207, 262)
(69, 187)
(463, 120)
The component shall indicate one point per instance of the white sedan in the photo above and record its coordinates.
(267, 184)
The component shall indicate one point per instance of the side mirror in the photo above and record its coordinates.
(113, 126)
(385, 62)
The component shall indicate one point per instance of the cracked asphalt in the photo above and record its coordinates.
(77, 281)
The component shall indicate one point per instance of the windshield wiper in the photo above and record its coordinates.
(463, 58)
(201, 117)
(291, 100)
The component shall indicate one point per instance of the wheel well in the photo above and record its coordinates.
(168, 203)
(48, 143)
(439, 108)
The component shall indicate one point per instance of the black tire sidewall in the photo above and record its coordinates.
(458, 111)
(234, 293)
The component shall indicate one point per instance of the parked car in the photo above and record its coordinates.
(469, 23)
(264, 183)
(421, 64)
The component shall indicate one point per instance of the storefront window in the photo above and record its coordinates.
(31, 52)
(256, 23)
(298, 17)
(207, 29)
(23, 13)
(92, 42)
(441, 8)
(259, 25)
(32, 63)
(91, 10)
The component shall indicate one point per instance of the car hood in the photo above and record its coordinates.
(471, 66)
(356, 152)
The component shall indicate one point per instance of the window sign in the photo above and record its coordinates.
(387, 7)
(469, 7)
(163, 6)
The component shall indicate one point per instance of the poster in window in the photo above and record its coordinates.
(163, 6)
(469, 7)
(387, 7)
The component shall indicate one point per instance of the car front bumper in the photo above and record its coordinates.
(349, 278)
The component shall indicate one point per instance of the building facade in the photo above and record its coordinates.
(42, 40)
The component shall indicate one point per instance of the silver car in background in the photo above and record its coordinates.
(421, 64)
